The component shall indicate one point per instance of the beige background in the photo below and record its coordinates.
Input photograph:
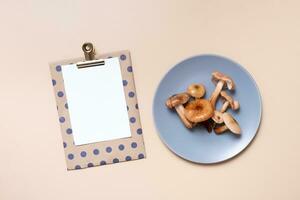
(261, 35)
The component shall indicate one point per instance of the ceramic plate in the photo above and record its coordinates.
(196, 144)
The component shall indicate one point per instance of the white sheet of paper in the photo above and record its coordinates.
(96, 101)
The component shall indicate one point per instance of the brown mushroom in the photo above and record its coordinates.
(218, 117)
(199, 110)
(176, 101)
(229, 124)
(220, 129)
(221, 81)
(229, 101)
(236, 106)
(196, 90)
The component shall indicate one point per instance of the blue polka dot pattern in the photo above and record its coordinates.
(96, 152)
(131, 94)
(125, 83)
(108, 149)
(62, 119)
(77, 167)
(129, 69)
(139, 131)
(132, 119)
(115, 160)
(83, 154)
(69, 131)
(65, 145)
(123, 57)
(134, 145)
(90, 165)
(140, 156)
(128, 158)
(53, 82)
(70, 156)
(121, 147)
(60, 94)
(58, 68)
(102, 162)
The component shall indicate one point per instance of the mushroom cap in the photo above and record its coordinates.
(231, 123)
(198, 110)
(196, 90)
(218, 76)
(236, 105)
(218, 117)
(177, 99)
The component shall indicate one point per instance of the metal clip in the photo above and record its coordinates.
(89, 54)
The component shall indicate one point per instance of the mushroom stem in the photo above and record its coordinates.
(221, 129)
(215, 94)
(180, 111)
(236, 106)
(225, 106)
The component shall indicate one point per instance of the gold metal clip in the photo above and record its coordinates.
(89, 54)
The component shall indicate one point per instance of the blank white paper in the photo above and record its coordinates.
(96, 101)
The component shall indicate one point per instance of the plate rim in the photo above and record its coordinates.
(260, 109)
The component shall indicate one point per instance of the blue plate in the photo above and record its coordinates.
(196, 144)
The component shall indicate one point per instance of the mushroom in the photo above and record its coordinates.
(176, 101)
(198, 110)
(221, 81)
(229, 101)
(196, 90)
(236, 106)
(229, 124)
(218, 117)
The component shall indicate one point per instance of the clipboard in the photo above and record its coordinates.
(97, 109)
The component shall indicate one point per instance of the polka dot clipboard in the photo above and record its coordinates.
(97, 109)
